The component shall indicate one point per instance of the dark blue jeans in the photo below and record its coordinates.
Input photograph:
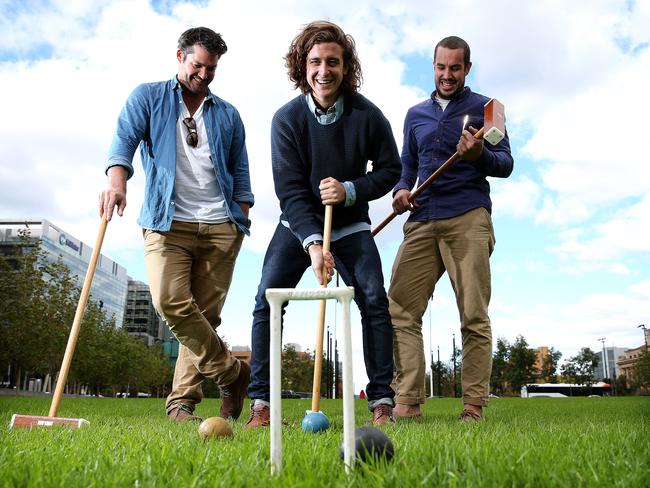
(358, 263)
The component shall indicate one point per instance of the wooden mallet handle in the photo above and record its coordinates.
(76, 323)
(320, 331)
(494, 128)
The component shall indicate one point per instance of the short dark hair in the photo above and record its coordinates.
(454, 42)
(209, 39)
(316, 33)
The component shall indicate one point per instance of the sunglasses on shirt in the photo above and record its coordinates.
(192, 138)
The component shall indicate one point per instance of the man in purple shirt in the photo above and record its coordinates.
(449, 229)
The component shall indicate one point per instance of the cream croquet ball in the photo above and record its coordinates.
(215, 427)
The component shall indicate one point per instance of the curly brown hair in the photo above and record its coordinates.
(316, 33)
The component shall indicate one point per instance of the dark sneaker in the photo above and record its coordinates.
(382, 415)
(232, 396)
(260, 416)
(183, 413)
(469, 416)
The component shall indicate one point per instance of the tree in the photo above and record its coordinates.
(297, 370)
(39, 299)
(500, 358)
(580, 368)
(520, 369)
(23, 297)
(548, 371)
(642, 371)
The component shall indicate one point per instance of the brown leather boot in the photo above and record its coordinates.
(260, 416)
(403, 411)
(471, 413)
(382, 415)
(232, 396)
(183, 413)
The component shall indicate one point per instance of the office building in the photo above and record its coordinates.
(109, 285)
(608, 369)
(140, 317)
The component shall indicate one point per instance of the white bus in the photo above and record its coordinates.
(563, 390)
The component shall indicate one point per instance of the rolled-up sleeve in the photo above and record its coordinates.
(132, 128)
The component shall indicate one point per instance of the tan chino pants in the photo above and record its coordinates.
(461, 246)
(190, 269)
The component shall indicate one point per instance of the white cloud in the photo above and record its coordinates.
(571, 79)
(610, 242)
(516, 196)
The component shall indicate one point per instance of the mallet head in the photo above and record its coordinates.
(315, 422)
(494, 122)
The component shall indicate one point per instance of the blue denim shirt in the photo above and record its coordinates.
(149, 119)
(430, 138)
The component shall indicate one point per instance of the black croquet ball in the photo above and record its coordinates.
(371, 443)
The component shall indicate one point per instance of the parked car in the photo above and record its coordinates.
(290, 394)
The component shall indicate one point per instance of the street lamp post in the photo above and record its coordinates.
(430, 348)
(605, 372)
(645, 335)
(453, 342)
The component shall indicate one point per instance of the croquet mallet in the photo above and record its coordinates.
(28, 421)
(493, 131)
(320, 330)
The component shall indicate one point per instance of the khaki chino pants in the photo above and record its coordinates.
(190, 269)
(461, 246)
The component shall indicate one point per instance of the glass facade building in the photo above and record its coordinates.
(109, 287)
(608, 370)
(140, 317)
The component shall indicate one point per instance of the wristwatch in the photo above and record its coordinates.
(317, 242)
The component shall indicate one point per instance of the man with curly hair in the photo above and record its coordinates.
(321, 142)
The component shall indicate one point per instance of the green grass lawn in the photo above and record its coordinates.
(524, 442)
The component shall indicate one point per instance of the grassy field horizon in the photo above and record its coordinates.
(523, 442)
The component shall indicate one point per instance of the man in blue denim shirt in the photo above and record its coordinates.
(194, 215)
(449, 229)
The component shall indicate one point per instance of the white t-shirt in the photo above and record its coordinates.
(197, 194)
(443, 102)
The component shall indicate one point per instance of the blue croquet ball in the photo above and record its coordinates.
(371, 443)
(315, 422)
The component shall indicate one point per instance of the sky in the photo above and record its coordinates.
(572, 261)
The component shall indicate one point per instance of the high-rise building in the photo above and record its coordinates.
(110, 280)
(140, 317)
(608, 369)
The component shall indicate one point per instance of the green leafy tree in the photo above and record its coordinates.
(548, 371)
(39, 299)
(581, 367)
(569, 372)
(500, 358)
(642, 371)
(298, 370)
(520, 369)
(23, 297)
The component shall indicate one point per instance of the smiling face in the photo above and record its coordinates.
(325, 72)
(196, 70)
(450, 71)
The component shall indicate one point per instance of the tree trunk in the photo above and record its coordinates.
(17, 374)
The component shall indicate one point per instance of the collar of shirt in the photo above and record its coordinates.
(176, 85)
(332, 114)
